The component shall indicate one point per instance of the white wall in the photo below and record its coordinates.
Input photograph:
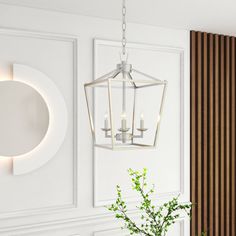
(66, 205)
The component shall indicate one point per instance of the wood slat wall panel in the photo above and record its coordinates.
(213, 185)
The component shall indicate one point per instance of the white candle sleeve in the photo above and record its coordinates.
(142, 124)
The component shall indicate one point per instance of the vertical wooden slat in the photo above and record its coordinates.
(227, 137)
(233, 155)
(211, 136)
(217, 137)
(199, 133)
(204, 132)
(193, 130)
(222, 137)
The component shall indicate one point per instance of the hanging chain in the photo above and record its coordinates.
(124, 28)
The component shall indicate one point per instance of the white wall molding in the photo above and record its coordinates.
(117, 231)
(74, 42)
(183, 145)
(64, 223)
(72, 222)
(95, 220)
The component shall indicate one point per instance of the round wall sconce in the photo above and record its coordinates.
(24, 118)
(45, 116)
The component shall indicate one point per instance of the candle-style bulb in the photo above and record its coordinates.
(123, 121)
(106, 116)
(141, 116)
(141, 121)
(123, 115)
(106, 120)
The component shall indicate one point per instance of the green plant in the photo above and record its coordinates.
(154, 221)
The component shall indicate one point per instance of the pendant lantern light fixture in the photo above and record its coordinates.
(127, 99)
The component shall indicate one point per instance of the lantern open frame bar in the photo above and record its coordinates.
(107, 81)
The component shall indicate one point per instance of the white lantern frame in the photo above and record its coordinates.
(127, 139)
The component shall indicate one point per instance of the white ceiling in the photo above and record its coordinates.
(208, 15)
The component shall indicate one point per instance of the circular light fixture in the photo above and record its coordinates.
(24, 118)
(57, 122)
